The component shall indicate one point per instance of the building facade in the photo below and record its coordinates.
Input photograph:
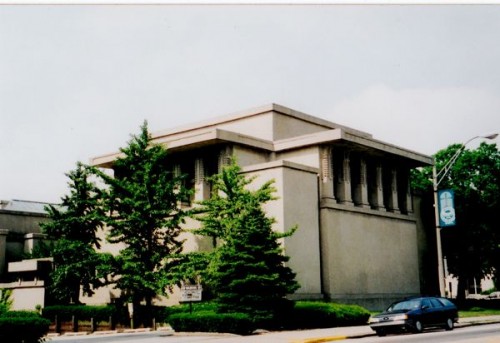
(20, 232)
(348, 193)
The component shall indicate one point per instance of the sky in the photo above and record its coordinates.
(77, 80)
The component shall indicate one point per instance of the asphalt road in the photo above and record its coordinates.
(473, 334)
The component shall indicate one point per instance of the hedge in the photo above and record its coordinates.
(103, 313)
(82, 312)
(22, 327)
(305, 315)
(204, 318)
(208, 321)
(316, 314)
(467, 304)
(194, 307)
(20, 314)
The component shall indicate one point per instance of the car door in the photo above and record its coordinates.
(427, 314)
(439, 314)
(431, 312)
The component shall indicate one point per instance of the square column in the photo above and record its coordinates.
(3, 251)
(408, 197)
(393, 203)
(224, 159)
(409, 200)
(343, 189)
(326, 176)
(377, 193)
(32, 240)
(361, 188)
(201, 186)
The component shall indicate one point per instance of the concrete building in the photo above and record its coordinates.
(20, 232)
(348, 193)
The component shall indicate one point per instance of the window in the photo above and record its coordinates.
(435, 303)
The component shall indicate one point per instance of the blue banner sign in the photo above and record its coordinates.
(446, 207)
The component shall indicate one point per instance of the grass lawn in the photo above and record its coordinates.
(478, 312)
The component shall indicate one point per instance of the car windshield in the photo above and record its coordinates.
(406, 305)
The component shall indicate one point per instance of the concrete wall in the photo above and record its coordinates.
(246, 157)
(21, 222)
(427, 249)
(28, 297)
(272, 126)
(290, 210)
(308, 156)
(260, 126)
(287, 127)
(368, 259)
(300, 189)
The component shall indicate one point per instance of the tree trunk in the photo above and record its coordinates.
(75, 295)
(148, 318)
(461, 288)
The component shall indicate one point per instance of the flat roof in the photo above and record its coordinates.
(206, 133)
(23, 206)
(235, 116)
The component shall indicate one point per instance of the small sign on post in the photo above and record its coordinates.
(190, 294)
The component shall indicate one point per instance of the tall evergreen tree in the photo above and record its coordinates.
(73, 233)
(247, 271)
(141, 201)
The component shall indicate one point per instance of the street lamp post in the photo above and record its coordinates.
(437, 177)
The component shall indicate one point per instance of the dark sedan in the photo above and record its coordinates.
(414, 314)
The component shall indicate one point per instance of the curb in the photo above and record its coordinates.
(163, 331)
(323, 339)
(332, 338)
(102, 333)
(476, 323)
(142, 330)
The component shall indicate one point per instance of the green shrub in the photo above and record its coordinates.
(142, 314)
(316, 314)
(489, 291)
(22, 327)
(209, 321)
(5, 300)
(103, 313)
(20, 314)
(195, 307)
(305, 315)
(3, 309)
(82, 312)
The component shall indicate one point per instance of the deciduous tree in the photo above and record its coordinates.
(472, 247)
(142, 202)
(72, 230)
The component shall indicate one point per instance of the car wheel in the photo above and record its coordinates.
(380, 332)
(449, 324)
(418, 327)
